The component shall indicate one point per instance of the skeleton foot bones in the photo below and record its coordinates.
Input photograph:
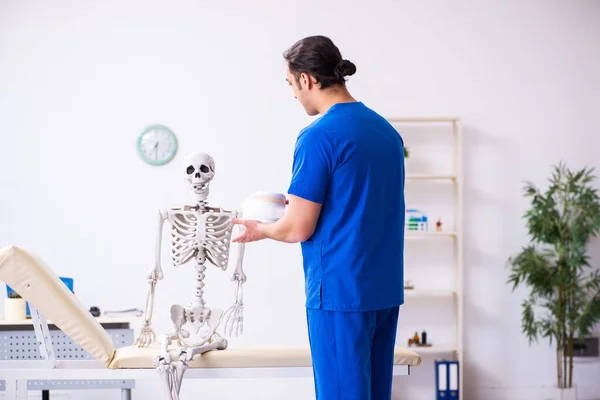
(171, 371)
(199, 234)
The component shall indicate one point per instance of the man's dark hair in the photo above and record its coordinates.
(319, 57)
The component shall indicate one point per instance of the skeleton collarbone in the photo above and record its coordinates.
(200, 232)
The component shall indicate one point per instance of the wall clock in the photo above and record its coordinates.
(157, 145)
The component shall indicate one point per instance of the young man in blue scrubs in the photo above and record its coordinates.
(346, 208)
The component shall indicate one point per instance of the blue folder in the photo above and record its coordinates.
(446, 380)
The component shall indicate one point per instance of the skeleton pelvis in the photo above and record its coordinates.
(197, 325)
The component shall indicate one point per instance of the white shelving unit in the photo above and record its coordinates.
(453, 177)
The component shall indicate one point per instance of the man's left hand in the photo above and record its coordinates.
(251, 231)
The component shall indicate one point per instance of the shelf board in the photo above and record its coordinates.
(425, 177)
(433, 349)
(422, 119)
(428, 293)
(427, 235)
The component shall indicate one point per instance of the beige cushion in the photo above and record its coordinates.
(133, 357)
(35, 282)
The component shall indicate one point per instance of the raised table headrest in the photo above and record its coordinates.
(29, 276)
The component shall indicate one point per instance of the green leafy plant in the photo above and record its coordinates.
(14, 295)
(406, 152)
(564, 298)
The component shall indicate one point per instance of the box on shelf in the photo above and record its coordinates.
(416, 220)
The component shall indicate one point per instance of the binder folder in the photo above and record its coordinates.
(446, 378)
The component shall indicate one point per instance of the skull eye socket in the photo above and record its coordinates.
(190, 170)
(204, 168)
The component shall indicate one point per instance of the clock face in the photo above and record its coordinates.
(157, 145)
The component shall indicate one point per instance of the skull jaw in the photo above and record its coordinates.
(200, 190)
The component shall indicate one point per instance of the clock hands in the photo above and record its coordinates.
(155, 150)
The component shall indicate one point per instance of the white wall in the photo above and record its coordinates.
(79, 80)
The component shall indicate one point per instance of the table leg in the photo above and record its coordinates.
(125, 394)
(21, 389)
(11, 389)
(45, 395)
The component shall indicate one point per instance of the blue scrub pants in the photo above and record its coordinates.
(352, 353)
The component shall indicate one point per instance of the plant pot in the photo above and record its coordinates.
(15, 309)
(566, 394)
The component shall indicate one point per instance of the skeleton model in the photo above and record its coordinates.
(199, 233)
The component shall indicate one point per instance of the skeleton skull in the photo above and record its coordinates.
(199, 170)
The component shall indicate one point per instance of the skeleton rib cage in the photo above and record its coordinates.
(193, 231)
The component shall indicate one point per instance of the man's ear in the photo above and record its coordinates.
(304, 80)
(307, 81)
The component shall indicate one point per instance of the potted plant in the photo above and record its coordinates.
(564, 291)
(15, 307)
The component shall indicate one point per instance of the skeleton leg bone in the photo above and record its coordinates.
(178, 319)
(216, 343)
(179, 368)
(165, 371)
(164, 365)
(172, 372)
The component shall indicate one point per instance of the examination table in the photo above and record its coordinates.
(49, 298)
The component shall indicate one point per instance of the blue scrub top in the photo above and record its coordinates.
(351, 160)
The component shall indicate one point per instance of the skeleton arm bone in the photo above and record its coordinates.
(147, 335)
(233, 318)
(238, 273)
(156, 273)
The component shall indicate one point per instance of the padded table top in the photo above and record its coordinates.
(133, 357)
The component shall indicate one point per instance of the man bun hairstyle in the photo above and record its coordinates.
(344, 68)
(319, 57)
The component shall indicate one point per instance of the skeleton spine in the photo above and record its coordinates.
(199, 300)
(200, 267)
